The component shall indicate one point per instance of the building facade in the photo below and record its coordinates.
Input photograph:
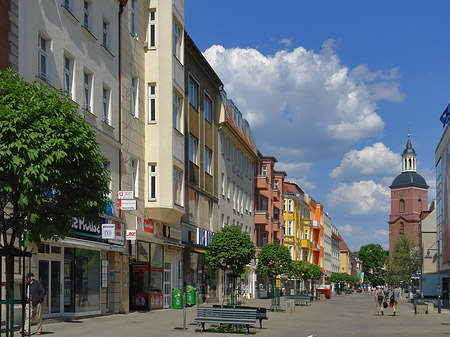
(327, 253)
(335, 250)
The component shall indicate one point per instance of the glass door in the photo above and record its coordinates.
(167, 285)
(50, 277)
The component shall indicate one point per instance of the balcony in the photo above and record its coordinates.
(315, 224)
(262, 183)
(261, 217)
(276, 194)
(305, 244)
(315, 246)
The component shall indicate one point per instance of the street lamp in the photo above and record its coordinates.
(428, 256)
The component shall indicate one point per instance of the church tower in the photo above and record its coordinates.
(409, 197)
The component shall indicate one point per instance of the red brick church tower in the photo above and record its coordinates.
(409, 197)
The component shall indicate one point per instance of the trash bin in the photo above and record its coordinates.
(177, 299)
(191, 295)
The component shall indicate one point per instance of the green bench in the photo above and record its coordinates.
(261, 313)
(299, 299)
(245, 317)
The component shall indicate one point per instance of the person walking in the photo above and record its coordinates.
(35, 295)
(242, 291)
(397, 298)
(379, 299)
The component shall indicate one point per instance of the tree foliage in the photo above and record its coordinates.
(343, 277)
(51, 167)
(374, 258)
(274, 259)
(230, 250)
(404, 261)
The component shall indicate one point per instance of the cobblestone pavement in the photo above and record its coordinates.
(352, 315)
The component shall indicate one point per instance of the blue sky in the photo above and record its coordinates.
(329, 88)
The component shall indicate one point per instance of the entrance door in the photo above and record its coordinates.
(167, 285)
(50, 277)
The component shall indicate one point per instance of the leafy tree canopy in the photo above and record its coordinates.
(374, 258)
(274, 259)
(404, 261)
(230, 250)
(343, 277)
(51, 167)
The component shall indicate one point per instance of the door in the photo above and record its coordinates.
(50, 277)
(167, 285)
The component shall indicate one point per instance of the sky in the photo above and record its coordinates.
(331, 88)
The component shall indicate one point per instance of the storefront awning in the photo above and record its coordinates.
(92, 244)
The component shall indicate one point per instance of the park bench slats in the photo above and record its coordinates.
(226, 316)
(261, 313)
(299, 299)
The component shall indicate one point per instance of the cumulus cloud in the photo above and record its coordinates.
(360, 198)
(303, 101)
(372, 161)
(298, 172)
(348, 229)
(286, 42)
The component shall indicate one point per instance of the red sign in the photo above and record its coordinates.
(145, 225)
(140, 300)
(156, 300)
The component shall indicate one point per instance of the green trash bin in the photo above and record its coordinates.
(177, 299)
(190, 295)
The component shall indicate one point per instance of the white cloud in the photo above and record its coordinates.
(360, 198)
(302, 102)
(372, 161)
(286, 42)
(348, 229)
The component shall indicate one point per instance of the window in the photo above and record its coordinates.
(291, 251)
(264, 239)
(264, 202)
(306, 234)
(223, 184)
(177, 31)
(402, 227)
(193, 150)
(402, 205)
(276, 213)
(290, 227)
(177, 184)
(151, 103)
(43, 66)
(152, 181)
(208, 108)
(264, 170)
(193, 93)
(107, 168)
(285, 205)
(133, 18)
(305, 255)
(87, 83)
(275, 185)
(234, 196)
(87, 15)
(135, 178)
(419, 205)
(68, 4)
(228, 188)
(68, 75)
(193, 206)
(105, 35)
(152, 29)
(177, 112)
(106, 109)
(291, 205)
(134, 97)
(208, 163)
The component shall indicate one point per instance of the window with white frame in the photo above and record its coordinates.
(134, 170)
(106, 34)
(177, 33)
(87, 90)
(87, 15)
(234, 195)
(193, 150)
(208, 106)
(223, 184)
(264, 170)
(228, 187)
(291, 251)
(43, 58)
(177, 184)
(242, 201)
(193, 93)
(133, 18)
(306, 234)
(223, 220)
(285, 227)
(68, 4)
(177, 101)
(152, 103)
(285, 205)
(134, 97)
(106, 104)
(107, 168)
(208, 161)
(276, 184)
(291, 205)
(68, 75)
(152, 29)
(152, 180)
(290, 227)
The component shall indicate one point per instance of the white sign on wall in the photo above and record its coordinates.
(127, 205)
(125, 195)
(131, 234)
(108, 231)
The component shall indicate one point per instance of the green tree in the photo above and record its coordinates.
(404, 261)
(374, 258)
(230, 250)
(274, 259)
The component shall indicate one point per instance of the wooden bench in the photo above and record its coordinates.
(299, 299)
(245, 317)
(261, 313)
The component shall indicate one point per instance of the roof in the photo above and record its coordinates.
(342, 244)
(409, 179)
(409, 149)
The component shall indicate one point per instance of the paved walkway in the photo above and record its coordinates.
(353, 315)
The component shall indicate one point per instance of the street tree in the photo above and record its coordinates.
(273, 259)
(51, 167)
(374, 259)
(404, 261)
(230, 250)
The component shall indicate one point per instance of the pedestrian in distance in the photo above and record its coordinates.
(379, 299)
(242, 291)
(397, 292)
(35, 296)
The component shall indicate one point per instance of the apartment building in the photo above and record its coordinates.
(335, 250)
(73, 45)
(236, 159)
(344, 256)
(327, 257)
(317, 230)
(200, 220)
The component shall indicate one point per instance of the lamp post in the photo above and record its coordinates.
(428, 256)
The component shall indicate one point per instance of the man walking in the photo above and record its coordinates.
(242, 292)
(397, 298)
(35, 295)
(379, 299)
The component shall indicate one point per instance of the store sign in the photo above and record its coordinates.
(127, 205)
(131, 234)
(108, 231)
(93, 232)
(145, 225)
(204, 237)
(125, 195)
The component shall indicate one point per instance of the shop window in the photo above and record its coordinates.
(157, 276)
(143, 251)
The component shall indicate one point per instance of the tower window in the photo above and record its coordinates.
(419, 205)
(402, 206)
